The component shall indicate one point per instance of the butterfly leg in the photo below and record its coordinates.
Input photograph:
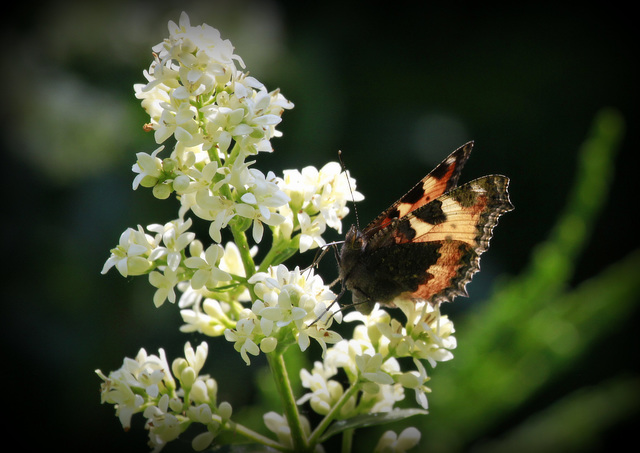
(335, 301)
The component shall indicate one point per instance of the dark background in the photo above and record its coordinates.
(396, 87)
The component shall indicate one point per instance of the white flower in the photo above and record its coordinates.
(175, 238)
(199, 311)
(202, 441)
(287, 302)
(385, 399)
(196, 358)
(149, 169)
(163, 426)
(390, 442)
(337, 189)
(212, 206)
(242, 339)
(319, 333)
(165, 282)
(193, 67)
(325, 392)
(208, 274)
(154, 95)
(131, 256)
(185, 38)
(148, 372)
(318, 199)
(311, 231)
(207, 316)
(370, 369)
(231, 262)
(284, 312)
(263, 197)
(427, 335)
(293, 299)
(117, 390)
(278, 425)
(343, 354)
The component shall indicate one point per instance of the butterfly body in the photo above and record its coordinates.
(427, 245)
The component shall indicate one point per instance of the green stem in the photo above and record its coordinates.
(333, 413)
(347, 440)
(281, 250)
(248, 433)
(245, 251)
(283, 385)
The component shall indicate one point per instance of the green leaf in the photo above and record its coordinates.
(365, 420)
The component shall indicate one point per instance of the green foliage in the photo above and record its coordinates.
(534, 328)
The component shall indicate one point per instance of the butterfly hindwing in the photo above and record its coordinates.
(461, 223)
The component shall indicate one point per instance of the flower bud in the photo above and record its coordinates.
(268, 344)
(225, 410)
(162, 191)
(178, 366)
(181, 183)
(188, 377)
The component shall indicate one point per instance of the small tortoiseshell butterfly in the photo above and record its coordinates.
(427, 245)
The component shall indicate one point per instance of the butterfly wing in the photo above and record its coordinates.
(439, 181)
(456, 227)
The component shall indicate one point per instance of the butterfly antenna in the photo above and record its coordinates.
(344, 170)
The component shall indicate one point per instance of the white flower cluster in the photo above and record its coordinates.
(287, 304)
(163, 257)
(219, 117)
(318, 199)
(147, 384)
(220, 120)
(370, 359)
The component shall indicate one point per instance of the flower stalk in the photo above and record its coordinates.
(283, 386)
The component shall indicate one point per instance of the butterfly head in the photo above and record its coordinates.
(354, 239)
(354, 245)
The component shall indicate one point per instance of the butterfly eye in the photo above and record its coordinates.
(357, 241)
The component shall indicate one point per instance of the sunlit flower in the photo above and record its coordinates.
(163, 425)
(318, 199)
(165, 283)
(241, 337)
(370, 367)
(325, 392)
(278, 425)
(149, 169)
(208, 273)
(148, 372)
(428, 334)
(294, 298)
(218, 119)
(311, 231)
(390, 442)
(131, 256)
(175, 237)
(207, 317)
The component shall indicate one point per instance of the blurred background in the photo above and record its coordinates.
(547, 341)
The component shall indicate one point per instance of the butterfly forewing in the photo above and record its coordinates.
(440, 180)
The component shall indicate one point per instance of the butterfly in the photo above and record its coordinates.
(426, 245)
